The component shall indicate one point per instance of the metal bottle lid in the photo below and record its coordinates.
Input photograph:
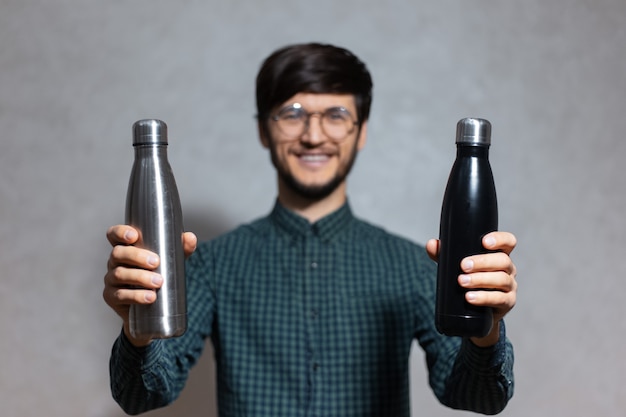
(473, 131)
(149, 131)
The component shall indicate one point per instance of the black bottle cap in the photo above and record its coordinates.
(149, 131)
(473, 131)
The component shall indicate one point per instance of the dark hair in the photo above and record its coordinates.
(312, 68)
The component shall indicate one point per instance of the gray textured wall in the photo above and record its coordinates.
(75, 75)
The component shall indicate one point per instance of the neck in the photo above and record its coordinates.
(311, 209)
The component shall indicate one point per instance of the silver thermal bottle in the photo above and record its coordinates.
(153, 208)
(469, 211)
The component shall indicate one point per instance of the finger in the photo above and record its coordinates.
(503, 241)
(190, 242)
(120, 298)
(501, 302)
(492, 281)
(432, 248)
(132, 256)
(122, 235)
(495, 261)
(122, 277)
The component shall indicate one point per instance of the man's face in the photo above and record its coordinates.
(312, 164)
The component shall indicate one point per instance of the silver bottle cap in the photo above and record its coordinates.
(473, 131)
(149, 131)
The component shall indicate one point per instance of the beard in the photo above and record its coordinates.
(315, 191)
(310, 192)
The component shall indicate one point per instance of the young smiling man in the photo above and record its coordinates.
(310, 310)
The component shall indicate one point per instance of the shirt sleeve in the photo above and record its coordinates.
(153, 376)
(482, 378)
(467, 377)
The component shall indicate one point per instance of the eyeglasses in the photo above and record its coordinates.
(293, 121)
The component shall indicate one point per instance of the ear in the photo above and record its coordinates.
(263, 135)
(362, 139)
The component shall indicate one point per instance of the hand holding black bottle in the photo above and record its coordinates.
(468, 213)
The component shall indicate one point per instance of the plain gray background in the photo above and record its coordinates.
(549, 75)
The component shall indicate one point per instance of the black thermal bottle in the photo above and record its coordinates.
(153, 208)
(469, 211)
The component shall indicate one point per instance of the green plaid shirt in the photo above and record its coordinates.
(312, 320)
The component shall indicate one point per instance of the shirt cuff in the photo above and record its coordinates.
(485, 360)
(135, 358)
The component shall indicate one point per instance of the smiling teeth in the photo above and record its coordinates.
(314, 158)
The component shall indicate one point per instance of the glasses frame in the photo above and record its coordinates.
(307, 121)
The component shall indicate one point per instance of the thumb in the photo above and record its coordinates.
(190, 241)
(432, 248)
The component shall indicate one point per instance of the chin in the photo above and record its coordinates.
(312, 191)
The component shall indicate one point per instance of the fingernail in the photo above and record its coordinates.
(130, 235)
(470, 296)
(467, 265)
(152, 260)
(157, 279)
(490, 242)
(464, 279)
(150, 296)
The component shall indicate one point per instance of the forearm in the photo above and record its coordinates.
(140, 380)
(482, 377)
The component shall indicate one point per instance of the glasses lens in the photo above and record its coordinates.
(337, 123)
(293, 121)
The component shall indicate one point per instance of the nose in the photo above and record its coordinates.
(313, 132)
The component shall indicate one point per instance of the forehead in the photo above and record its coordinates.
(317, 102)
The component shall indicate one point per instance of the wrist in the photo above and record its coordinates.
(134, 341)
(490, 339)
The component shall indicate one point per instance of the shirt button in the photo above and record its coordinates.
(313, 265)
